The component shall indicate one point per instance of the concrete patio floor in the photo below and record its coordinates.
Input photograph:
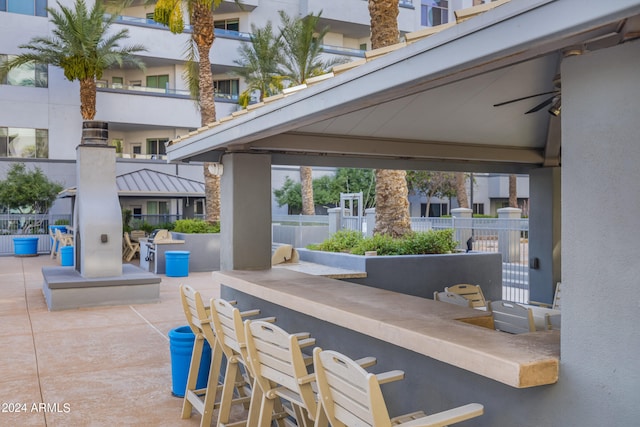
(103, 366)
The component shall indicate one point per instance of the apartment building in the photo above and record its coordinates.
(40, 122)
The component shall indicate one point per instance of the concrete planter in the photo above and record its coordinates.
(204, 250)
(419, 275)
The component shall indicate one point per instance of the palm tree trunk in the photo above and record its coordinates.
(513, 191)
(306, 181)
(88, 98)
(461, 190)
(392, 203)
(203, 36)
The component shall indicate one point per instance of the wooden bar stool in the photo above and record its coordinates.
(351, 396)
(230, 335)
(280, 370)
(198, 318)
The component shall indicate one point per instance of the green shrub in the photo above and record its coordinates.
(192, 226)
(61, 222)
(429, 242)
(341, 241)
(383, 245)
(419, 243)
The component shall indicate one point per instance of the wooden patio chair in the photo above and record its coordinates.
(452, 298)
(471, 292)
(131, 248)
(556, 297)
(230, 335)
(553, 321)
(280, 372)
(351, 396)
(511, 317)
(61, 240)
(198, 318)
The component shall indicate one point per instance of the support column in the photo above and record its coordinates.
(245, 214)
(509, 236)
(335, 220)
(463, 225)
(544, 233)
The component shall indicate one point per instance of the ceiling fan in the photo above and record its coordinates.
(554, 100)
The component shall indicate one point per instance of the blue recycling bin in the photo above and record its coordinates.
(177, 263)
(181, 346)
(66, 256)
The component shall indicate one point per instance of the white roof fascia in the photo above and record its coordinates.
(510, 33)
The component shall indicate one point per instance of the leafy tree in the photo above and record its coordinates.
(83, 46)
(259, 61)
(327, 189)
(392, 203)
(432, 184)
(28, 192)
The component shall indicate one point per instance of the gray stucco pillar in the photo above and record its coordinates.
(463, 225)
(600, 268)
(335, 219)
(509, 235)
(544, 233)
(245, 212)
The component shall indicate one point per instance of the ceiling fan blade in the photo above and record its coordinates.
(523, 98)
(543, 104)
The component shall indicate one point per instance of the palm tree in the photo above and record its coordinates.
(461, 189)
(392, 203)
(82, 46)
(302, 49)
(169, 13)
(259, 62)
(513, 191)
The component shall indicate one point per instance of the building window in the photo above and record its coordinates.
(435, 209)
(136, 149)
(24, 7)
(158, 82)
(24, 143)
(227, 89)
(157, 146)
(478, 208)
(227, 24)
(32, 74)
(117, 82)
(157, 212)
(434, 12)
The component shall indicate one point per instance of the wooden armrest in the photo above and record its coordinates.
(445, 418)
(302, 335)
(250, 313)
(266, 319)
(308, 360)
(387, 377)
(307, 379)
(306, 342)
(365, 362)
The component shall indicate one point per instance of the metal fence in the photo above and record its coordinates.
(510, 237)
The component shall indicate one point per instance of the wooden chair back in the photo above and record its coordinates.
(511, 317)
(351, 396)
(130, 248)
(556, 297)
(197, 314)
(471, 292)
(451, 298)
(280, 371)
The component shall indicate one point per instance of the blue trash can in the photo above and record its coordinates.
(181, 345)
(66, 256)
(176, 263)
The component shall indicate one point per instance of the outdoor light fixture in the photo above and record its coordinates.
(555, 108)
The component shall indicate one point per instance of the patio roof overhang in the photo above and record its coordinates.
(430, 104)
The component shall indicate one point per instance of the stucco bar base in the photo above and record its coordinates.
(64, 288)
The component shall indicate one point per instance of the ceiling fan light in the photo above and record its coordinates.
(555, 109)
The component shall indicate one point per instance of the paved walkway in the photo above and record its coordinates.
(104, 366)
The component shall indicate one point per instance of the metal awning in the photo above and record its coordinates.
(146, 183)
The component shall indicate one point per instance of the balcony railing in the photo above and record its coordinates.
(146, 90)
(237, 35)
